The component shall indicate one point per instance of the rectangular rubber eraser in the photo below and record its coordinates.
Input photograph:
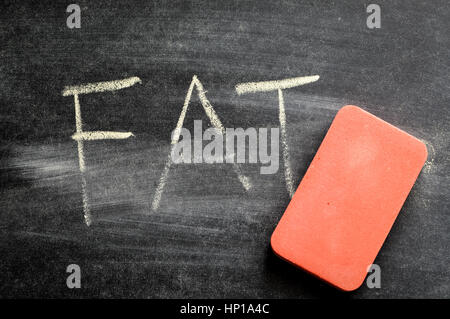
(349, 198)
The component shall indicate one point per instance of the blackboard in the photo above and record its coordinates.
(209, 237)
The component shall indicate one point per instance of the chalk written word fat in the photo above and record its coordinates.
(213, 152)
(217, 132)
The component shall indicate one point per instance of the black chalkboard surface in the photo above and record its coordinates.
(209, 236)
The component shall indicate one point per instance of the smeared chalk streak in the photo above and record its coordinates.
(100, 86)
(215, 121)
(252, 87)
(286, 157)
(101, 135)
(429, 166)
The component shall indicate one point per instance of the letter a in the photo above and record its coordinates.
(74, 279)
(74, 19)
(374, 19)
(374, 279)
